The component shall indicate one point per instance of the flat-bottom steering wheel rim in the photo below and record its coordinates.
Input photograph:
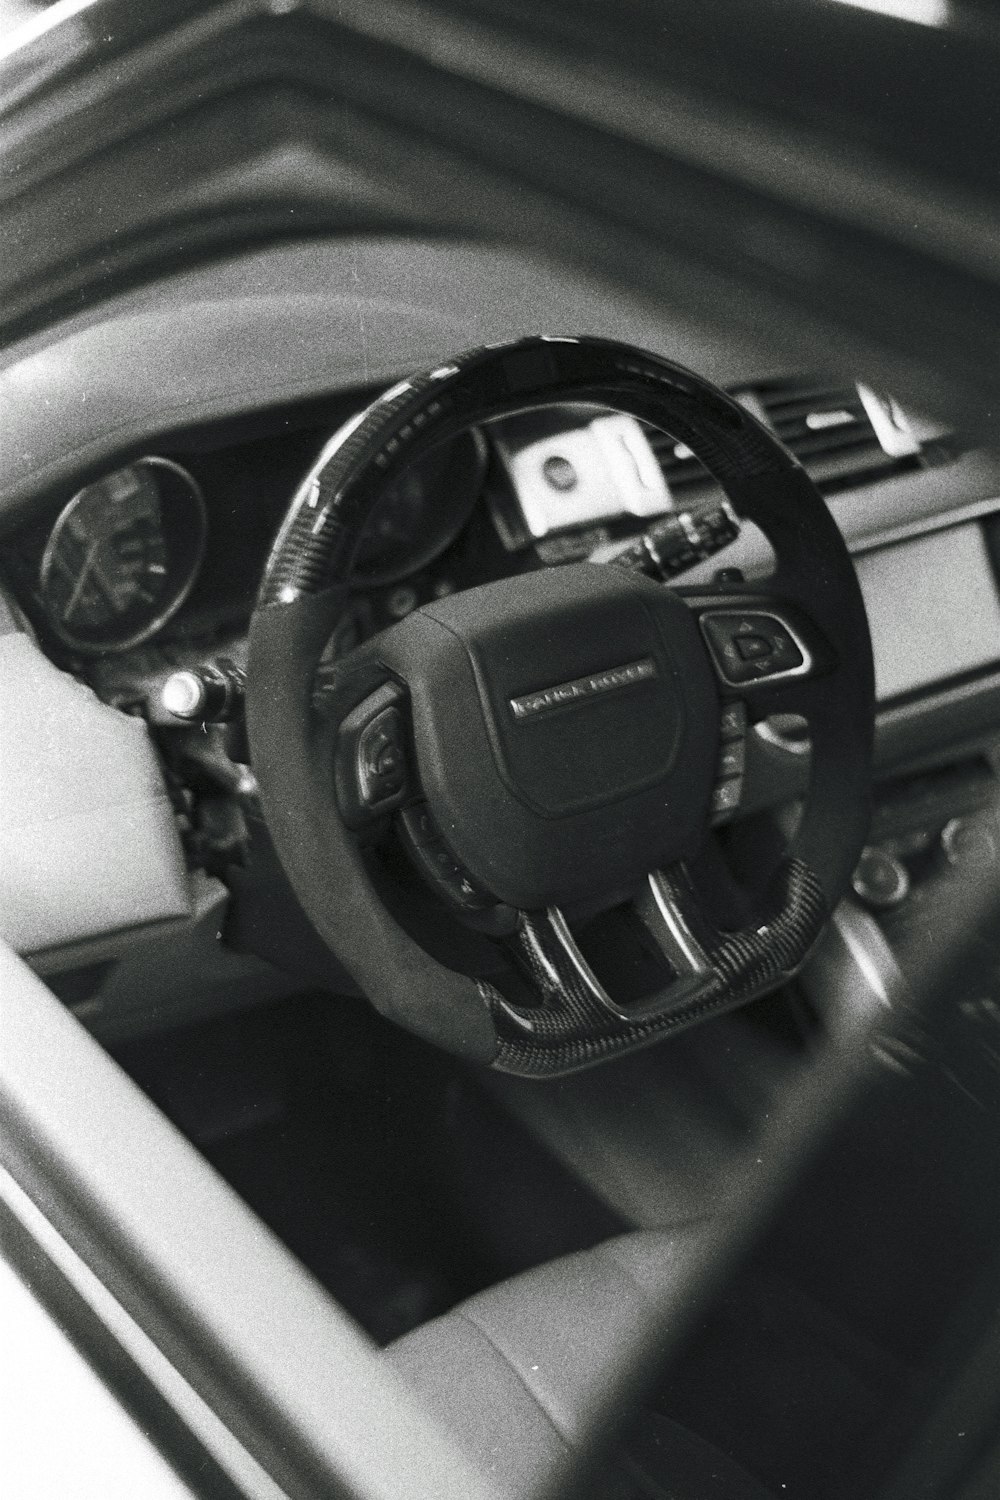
(306, 583)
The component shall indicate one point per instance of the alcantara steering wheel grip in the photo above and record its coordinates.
(548, 746)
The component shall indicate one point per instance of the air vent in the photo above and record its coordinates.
(840, 433)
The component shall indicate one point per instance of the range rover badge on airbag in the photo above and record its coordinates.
(531, 704)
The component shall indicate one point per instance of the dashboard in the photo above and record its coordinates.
(135, 523)
(154, 564)
(160, 558)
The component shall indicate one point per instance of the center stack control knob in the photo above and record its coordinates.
(880, 880)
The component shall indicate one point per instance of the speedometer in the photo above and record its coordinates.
(123, 555)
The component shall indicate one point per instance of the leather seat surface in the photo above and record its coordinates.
(523, 1374)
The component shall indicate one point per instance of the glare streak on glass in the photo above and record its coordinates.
(34, 27)
(922, 12)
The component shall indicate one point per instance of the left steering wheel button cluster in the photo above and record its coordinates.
(372, 771)
(751, 647)
(381, 758)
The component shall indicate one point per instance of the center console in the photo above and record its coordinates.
(929, 827)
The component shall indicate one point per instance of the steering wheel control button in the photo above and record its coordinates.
(381, 758)
(752, 646)
(732, 759)
(428, 851)
(726, 798)
(733, 722)
(730, 764)
(880, 880)
(372, 771)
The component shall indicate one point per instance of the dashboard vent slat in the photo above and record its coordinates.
(840, 433)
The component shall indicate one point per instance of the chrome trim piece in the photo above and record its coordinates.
(672, 933)
(585, 974)
(530, 705)
(766, 731)
(820, 421)
(694, 969)
(889, 423)
(674, 939)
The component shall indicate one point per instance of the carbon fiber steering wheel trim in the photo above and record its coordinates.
(317, 542)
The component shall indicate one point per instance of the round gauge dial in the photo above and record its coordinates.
(422, 512)
(122, 556)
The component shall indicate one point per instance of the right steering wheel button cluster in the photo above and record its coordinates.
(728, 787)
(752, 646)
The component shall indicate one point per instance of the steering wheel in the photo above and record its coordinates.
(549, 747)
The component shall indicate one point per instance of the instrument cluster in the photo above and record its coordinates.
(167, 551)
(126, 552)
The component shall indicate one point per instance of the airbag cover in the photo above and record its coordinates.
(565, 727)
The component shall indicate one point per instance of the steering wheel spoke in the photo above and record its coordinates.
(703, 968)
(555, 960)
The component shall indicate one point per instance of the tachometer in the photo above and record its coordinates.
(123, 555)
